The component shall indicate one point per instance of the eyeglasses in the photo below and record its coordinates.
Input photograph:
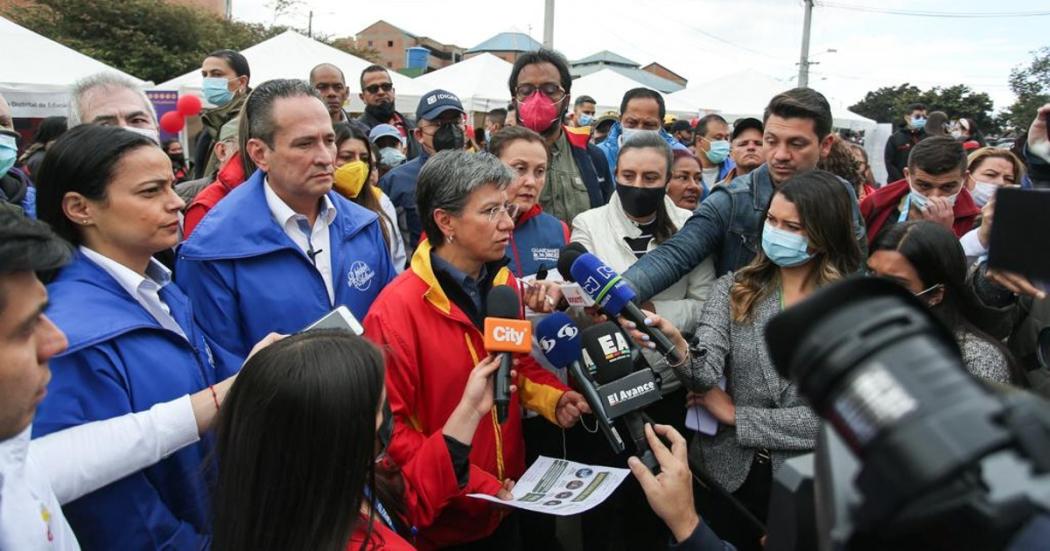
(374, 89)
(493, 213)
(551, 90)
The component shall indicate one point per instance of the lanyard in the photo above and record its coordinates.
(378, 507)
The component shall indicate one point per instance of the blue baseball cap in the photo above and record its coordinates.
(436, 102)
(384, 131)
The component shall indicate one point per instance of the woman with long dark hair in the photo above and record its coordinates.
(353, 179)
(133, 340)
(48, 131)
(301, 451)
(807, 243)
(928, 260)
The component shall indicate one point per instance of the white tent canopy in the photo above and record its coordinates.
(37, 72)
(607, 87)
(480, 82)
(746, 94)
(292, 55)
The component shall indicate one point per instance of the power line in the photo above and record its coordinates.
(930, 13)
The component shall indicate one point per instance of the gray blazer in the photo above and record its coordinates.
(769, 412)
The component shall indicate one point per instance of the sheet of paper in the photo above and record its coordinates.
(560, 487)
(697, 418)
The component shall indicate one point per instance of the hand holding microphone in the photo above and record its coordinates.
(613, 295)
(477, 400)
(505, 334)
(660, 325)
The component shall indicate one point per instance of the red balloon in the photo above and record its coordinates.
(172, 122)
(188, 105)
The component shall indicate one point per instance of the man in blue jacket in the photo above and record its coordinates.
(283, 249)
(728, 224)
(641, 110)
(439, 126)
(578, 177)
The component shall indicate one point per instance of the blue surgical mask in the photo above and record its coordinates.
(917, 199)
(718, 151)
(918, 123)
(217, 91)
(390, 157)
(585, 119)
(784, 248)
(983, 192)
(8, 153)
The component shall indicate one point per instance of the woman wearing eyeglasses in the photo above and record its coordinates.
(429, 321)
(928, 260)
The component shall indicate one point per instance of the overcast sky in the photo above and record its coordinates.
(706, 39)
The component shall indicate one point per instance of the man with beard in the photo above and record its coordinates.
(578, 177)
(377, 91)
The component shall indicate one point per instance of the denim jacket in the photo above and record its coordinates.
(728, 225)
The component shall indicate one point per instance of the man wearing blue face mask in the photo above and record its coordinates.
(583, 111)
(225, 85)
(15, 187)
(711, 141)
(932, 189)
(900, 143)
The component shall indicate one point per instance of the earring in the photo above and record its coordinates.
(85, 221)
(451, 237)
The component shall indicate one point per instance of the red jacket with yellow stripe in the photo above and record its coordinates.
(431, 346)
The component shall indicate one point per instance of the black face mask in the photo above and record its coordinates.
(449, 136)
(386, 429)
(640, 201)
(381, 112)
(177, 159)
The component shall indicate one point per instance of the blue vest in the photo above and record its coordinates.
(535, 244)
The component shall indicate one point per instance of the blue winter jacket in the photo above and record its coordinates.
(246, 277)
(610, 146)
(727, 225)
(400, 186)
(121, 360)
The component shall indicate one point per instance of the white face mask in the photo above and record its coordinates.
(148, 132)
(983, 192)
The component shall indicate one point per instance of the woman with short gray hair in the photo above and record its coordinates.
(429, 321)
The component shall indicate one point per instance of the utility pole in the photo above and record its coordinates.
(310, 25)
(548, 24)
(803, 62)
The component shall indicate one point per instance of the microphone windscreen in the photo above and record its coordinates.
(607, 347)
(559, 338)
(503, 302)
(566, 257)
(602, 283)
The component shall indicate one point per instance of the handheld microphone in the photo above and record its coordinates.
(615, 297)
(623, 390)
(505, 333)
(560, 340)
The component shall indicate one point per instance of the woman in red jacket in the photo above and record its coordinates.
(429, 320)
(298, 439)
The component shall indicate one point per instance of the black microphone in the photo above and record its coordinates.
(623, 391)
(312, 254)
(505, 333)
(559, 339)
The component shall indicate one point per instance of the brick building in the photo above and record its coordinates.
(391, 42)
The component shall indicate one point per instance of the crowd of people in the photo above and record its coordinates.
(157, 390)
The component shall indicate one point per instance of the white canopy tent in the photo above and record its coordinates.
(746, 94)
(480, 82)
(607, 87)
(292, 55)
(37, 72)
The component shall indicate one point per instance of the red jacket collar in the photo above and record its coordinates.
(890, 195)
(535, 211)
(231, 174)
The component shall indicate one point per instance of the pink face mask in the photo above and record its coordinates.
(537, 112)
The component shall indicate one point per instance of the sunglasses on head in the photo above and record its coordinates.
(374, 89)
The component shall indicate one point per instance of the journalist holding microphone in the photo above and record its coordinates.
(807, 242)
(429, 323)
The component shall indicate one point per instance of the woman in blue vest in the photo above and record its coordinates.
(537, 237)
(133, 341)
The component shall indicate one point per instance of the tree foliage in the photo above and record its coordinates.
(890, 103)
(151, 40)
(1031, 85)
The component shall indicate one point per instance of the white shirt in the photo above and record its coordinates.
(709, 176)
(37, 477)
(145, 290)
(313, 241)
(972, 247)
